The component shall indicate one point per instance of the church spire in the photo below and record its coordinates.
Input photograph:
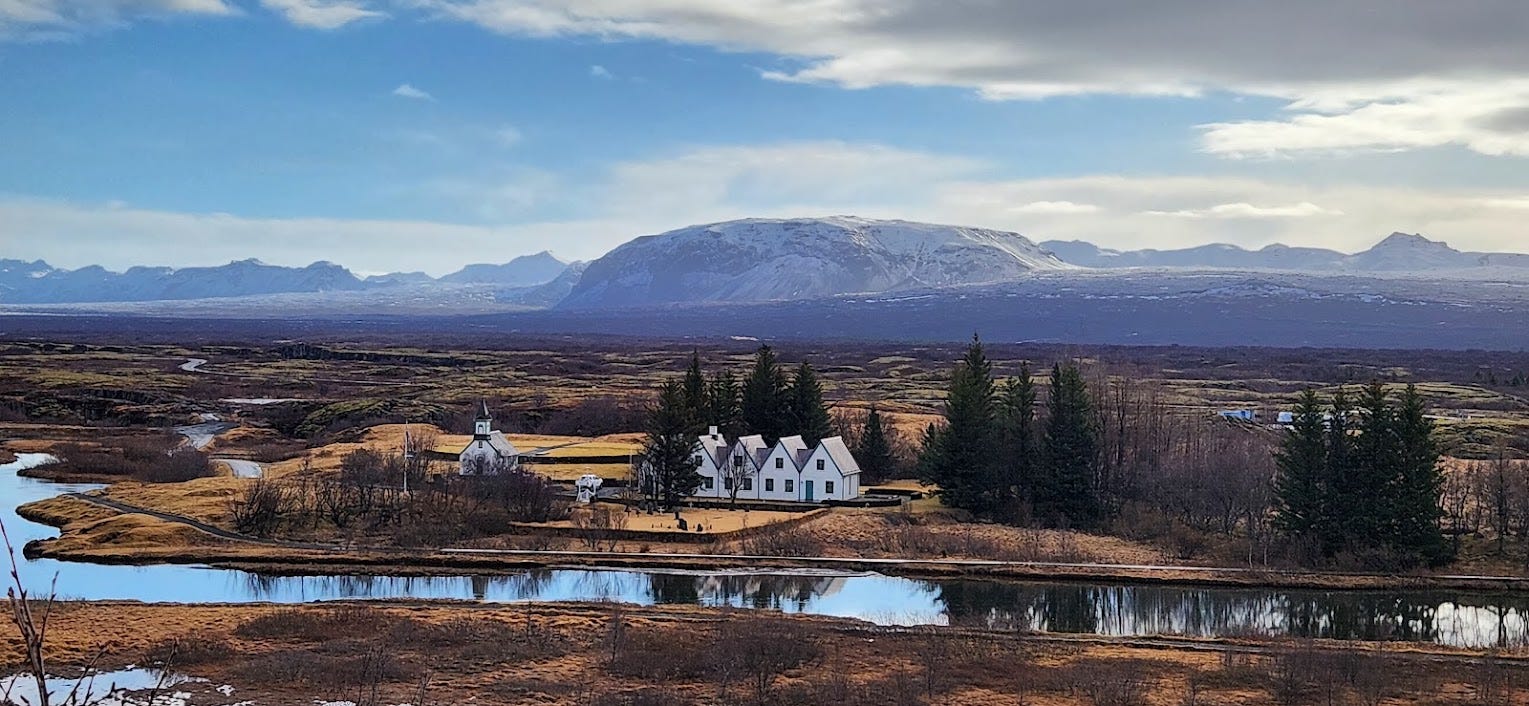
(483, 425)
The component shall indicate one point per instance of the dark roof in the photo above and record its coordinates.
(483, 412)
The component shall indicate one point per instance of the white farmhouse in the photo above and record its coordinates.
(489, 451)
(789, 471)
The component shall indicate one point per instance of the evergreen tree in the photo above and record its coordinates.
(875, 451)
(669, 453)
(809, 416)
(1020, 450)
(726, 414)
(764, 403)
(1368, 500)
(959, 456)
(1419, 482)
(1343, 489)
(696, 396)
(1301, 486)
(1065, 493)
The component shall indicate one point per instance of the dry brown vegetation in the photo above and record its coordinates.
(577, 655)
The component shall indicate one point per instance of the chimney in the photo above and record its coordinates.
(712, 432)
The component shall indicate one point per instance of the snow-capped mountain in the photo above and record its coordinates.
(1398, 252)
(523, 271)
(761, 259)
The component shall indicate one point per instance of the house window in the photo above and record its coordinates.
(780, 462)
(698, 459)
(738, 461)
(748, 483)
(820, 464)
(708, 483)
(769, 485)
(828, 487)
(790, 486)
(727, 484)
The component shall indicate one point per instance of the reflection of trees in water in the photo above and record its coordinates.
(784, 592)
(1474, 621)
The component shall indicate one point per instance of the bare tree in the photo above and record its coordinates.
(735, 474)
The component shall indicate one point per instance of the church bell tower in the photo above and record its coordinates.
(483, 425)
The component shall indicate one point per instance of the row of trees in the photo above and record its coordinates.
(768, 402)
(997, 456)
(1363, 477)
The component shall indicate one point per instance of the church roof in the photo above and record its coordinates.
(483, 411)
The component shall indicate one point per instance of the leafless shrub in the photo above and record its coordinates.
(190, 651)
(261, 508)
(597, 524)
(791, 541)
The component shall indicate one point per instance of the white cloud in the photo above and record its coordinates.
(46, 19)
(1242, 209)
(405, 90)
(1488, 119)
(1410, 74)
(598, 71)
(322, 14)
(1054, 208)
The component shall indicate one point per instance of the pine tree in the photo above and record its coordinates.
(1370, 494)
(696, 396)
(959, 456)
(1301, 486)
(726, 414)
(1065, 493)
(764, 404)
(1020, 450)
(1419, 481)
(809, 416)
(875, 451)
(669, 453)
(1343, 489)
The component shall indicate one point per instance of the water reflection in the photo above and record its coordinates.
(1451, 618)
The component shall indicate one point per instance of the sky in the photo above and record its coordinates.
(404, 135)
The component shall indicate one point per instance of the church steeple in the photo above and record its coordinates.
(483, 425)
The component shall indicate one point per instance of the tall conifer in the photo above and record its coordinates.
(958, 457)
(808, 414)
(1065, 492)
(764, 410)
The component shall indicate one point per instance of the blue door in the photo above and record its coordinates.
(807, 486)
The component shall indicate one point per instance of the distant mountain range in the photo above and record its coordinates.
(40, 283)
(1398, 252)
(742, 261)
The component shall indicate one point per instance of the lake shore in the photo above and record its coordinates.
(90, 533)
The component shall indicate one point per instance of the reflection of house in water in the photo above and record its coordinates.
(765, 590)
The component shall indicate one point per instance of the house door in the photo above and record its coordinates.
(807, 488)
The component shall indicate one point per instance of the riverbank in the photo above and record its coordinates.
(567, 654)
(93, 533)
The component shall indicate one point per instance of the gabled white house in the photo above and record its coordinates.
(789, 471)
(489, 450)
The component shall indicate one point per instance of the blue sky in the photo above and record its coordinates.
(425, 134)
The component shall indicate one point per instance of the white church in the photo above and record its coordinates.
(789, 471)
(489, 450)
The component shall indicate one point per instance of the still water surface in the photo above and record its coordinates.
(1444, 617)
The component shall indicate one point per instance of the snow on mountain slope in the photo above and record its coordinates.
(762, 259)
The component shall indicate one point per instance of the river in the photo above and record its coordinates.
(1444, 617)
